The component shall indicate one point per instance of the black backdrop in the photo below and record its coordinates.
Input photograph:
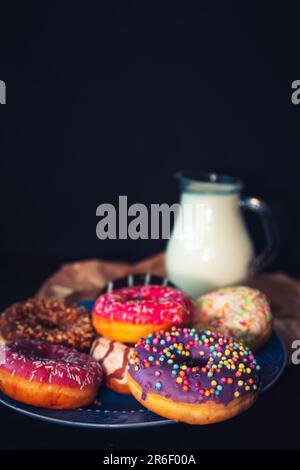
(105, 101)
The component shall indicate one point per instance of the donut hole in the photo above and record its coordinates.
(192, 361)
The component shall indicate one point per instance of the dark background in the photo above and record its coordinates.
(105, 101)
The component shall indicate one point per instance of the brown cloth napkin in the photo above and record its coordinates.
(82, 280)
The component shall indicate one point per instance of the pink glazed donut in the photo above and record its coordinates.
(50, 376)
(130, 313)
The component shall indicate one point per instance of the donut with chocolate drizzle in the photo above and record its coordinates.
(113, 357)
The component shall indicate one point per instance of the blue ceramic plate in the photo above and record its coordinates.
(123, 411)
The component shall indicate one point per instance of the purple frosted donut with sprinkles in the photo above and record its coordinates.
(197, 377)
(46, 375)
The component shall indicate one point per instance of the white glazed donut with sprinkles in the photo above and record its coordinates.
(240, 311)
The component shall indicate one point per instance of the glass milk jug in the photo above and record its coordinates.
(210, 246)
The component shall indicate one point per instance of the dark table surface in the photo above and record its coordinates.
(272, 423)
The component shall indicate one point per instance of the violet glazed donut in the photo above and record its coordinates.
(49, 376)
(193, 377)
(241, 312)
(130, 313)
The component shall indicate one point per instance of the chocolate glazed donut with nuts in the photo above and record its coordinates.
(55, 321)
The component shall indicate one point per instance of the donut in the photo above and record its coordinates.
(241, 312)
(54, 321)
(130, 313)
(48, 376)
(193, 377)
(113, 357)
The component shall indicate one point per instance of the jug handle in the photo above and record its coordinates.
(270, 230)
